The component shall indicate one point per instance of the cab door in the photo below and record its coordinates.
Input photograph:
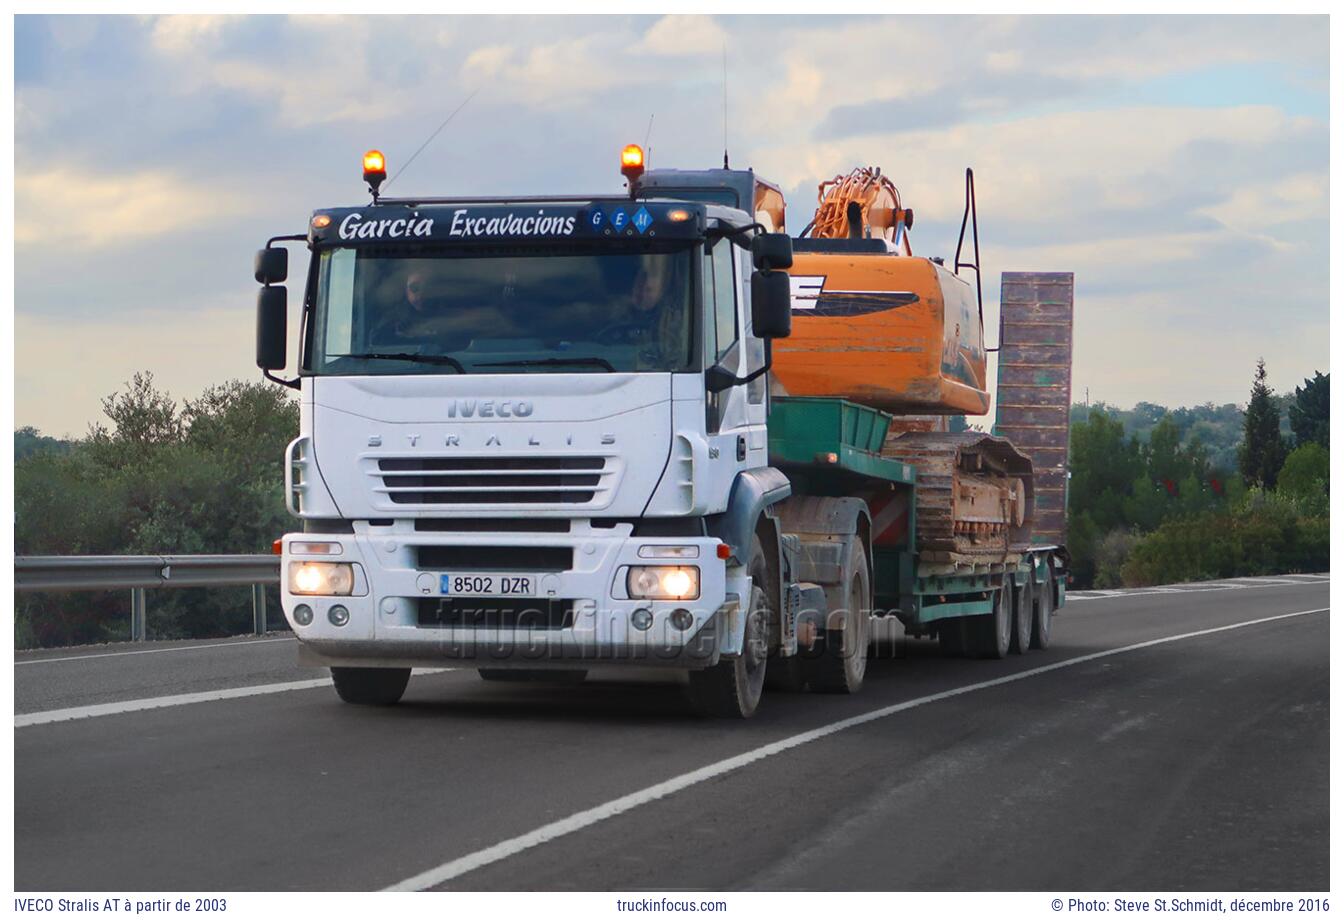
(735, 417)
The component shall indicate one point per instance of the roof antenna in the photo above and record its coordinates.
(648, 151)
(442, 125)
(725, 104)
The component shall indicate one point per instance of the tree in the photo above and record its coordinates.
(1310, 413)
(1262, 450)
(1306, 471)
(206, 479)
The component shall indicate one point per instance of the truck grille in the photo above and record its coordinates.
(496, 558)
(492, 480)
(495, 613)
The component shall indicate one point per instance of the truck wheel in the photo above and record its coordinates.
(1023, 615)
(732, 688)
(533, 675)
(844, 658)
(370, 686)
(1043, 613)
(991, 634)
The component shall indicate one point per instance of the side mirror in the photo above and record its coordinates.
(272, 313)
(771, 305)
(771, 251)
(271, 265)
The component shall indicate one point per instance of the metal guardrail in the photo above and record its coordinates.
(138, 573)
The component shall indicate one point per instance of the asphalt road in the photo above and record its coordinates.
(1195, 764)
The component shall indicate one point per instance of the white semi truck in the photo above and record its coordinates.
(536, 439)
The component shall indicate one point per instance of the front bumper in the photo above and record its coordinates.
(387, 626)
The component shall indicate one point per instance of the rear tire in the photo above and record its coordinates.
(991, 634)
(1023, 617)
(732, 688)
(533, 675)
(1043, 611)
(844, 655)
(370, 686)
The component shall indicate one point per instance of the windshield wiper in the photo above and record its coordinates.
(551, 362)
(408, 356)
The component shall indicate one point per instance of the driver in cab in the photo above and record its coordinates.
(426, 316)
(656, 316)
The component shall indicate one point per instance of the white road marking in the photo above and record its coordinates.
(1193, 588)
(153, 651)
(180, 699)
(584, 819)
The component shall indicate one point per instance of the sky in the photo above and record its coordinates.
(1177, 165)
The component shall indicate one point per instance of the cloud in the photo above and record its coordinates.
(679, 35)
(185, 34)
(1097, 148)
(62, 206)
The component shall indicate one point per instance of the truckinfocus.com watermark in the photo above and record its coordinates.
(654, 905)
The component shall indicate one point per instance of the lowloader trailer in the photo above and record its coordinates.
(549, 434)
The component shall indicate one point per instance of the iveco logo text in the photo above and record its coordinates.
(353, 226)
(489, 408)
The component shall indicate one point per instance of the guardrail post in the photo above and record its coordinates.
(137, 614)
(259, 610)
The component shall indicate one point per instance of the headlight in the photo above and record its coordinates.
(663, 582)
(332, 578)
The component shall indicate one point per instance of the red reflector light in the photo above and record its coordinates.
(276, 546)
(724, 551)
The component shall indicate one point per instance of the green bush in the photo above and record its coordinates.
(1111, 554)
(1267, 536)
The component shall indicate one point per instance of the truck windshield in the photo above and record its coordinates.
(506, 310)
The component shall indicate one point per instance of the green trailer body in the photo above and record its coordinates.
(832, 447)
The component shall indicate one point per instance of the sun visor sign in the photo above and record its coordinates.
(448, 223)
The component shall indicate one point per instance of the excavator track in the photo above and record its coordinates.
(973, 495)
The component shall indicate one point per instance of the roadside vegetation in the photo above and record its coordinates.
(156, 478)
(1161, 496)
(1157, 496)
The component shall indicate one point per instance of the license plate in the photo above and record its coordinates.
(470, 584)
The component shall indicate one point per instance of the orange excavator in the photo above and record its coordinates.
(878, 325)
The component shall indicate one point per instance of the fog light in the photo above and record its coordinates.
(303, 614)
(642, 618)
(338, 615)
(682, 619)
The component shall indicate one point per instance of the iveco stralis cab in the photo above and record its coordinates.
(533, 437)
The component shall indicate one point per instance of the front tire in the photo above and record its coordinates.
(370, 686)
(732, 688)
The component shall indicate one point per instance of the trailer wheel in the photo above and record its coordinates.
(1023, 617)
(1043, 613)
(844, 654)
(732, 688)
(534, 675)
(370, 686)
(991, 635)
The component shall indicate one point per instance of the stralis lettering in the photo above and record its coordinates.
(510, 225)
(354, 226)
